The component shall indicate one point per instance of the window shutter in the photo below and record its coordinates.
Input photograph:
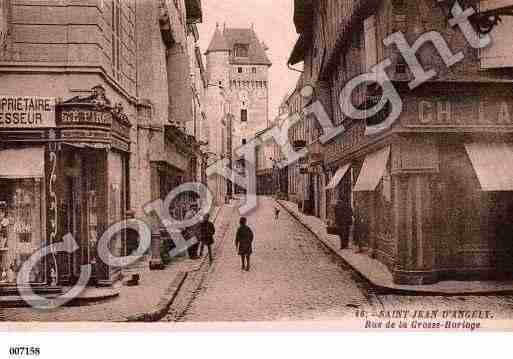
(500, 52)
(371, 47)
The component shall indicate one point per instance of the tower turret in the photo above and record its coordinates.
(218, 58)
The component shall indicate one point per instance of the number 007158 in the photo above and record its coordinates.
(24, 351)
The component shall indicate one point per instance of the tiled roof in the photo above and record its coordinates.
(218, 42)
(257, 54)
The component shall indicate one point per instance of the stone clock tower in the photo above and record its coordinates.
(237, 60)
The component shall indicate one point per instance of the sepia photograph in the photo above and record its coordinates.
(266, 165)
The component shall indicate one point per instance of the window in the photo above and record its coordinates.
(254, 70)
(244, 141)
(239, 70)
(116, 38)
(244, 115)
(241, 50)
(371, 47)
(3, 23)
(21, 218)
(499, 53)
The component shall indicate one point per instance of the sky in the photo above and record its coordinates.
(273, 21)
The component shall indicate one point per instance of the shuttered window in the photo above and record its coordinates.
(500, 52)
(371, 47)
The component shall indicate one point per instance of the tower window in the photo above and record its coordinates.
(243, 115)
(241, 50)
(239, 70)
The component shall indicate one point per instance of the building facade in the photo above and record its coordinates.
(85, 102)
(433, 201)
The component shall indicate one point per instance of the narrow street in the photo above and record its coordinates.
(294, 277)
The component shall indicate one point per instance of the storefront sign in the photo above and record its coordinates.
(26, 112)
(80, 117)
(464, 113)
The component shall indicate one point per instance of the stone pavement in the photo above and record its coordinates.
(131, 301)
(293, 277)
(379, 275)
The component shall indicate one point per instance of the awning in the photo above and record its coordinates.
(493, 163)
(372, 171)
(341, 172)
(22, 162)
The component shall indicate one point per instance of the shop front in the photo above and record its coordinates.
(434, 195)
(65, 175)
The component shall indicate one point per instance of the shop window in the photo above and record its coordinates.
(21, 226)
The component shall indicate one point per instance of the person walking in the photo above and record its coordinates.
(244, 243)
(358, 229)
(276, 213)
(206, 232)
(344, 220)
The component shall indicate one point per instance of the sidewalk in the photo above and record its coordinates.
(378, 274)
(147, 301)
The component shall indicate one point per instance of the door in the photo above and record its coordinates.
(72, 221)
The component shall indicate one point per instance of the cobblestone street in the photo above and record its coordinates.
(294, 277)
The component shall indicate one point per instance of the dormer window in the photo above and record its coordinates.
(241, 50)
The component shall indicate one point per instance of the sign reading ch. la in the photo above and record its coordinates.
(466, 112)
(26, 112)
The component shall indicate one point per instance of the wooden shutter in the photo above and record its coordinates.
(500, 52)
(371, 46)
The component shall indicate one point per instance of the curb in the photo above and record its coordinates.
(383, 289)
(162, 308)
(16, 301)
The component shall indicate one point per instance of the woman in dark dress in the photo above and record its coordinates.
(243, 243)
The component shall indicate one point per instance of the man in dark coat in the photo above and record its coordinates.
(344, 220)
(243, 243)
(206, 233)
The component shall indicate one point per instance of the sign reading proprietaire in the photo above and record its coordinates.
(27, 112)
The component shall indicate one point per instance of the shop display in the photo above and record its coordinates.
(20, 226)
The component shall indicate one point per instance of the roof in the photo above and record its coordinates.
(257, 54)
(225, 41)
(218, 42)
